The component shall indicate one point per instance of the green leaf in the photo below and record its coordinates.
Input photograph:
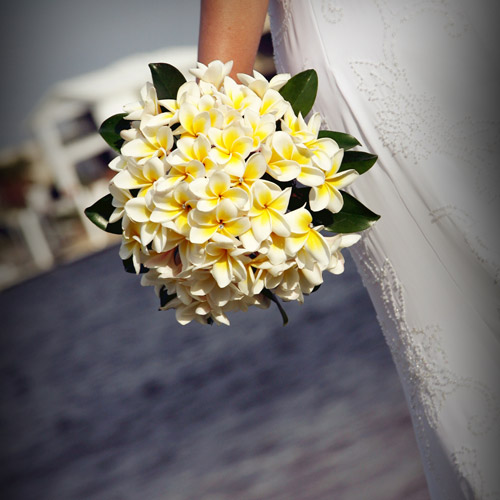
(345, 141)
(114, 227)
(165, 297)
(323, 217)
(353, 217)
(128, 265)
(100, 212)
(111, 128)
(270, 295)
(167, 79)
(358, 160)
(300, 91)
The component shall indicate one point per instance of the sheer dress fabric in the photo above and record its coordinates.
(415, 82)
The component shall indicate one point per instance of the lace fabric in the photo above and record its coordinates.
(431, 264)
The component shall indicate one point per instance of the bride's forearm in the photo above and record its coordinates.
(231, 30)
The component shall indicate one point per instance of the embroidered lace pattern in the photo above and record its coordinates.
(424, 369)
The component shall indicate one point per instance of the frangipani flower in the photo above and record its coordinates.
(174, 206)
(336, 244)
(118, 163)
(259, 127)
(166, 239)
(250, 285)
(120, 198)
(214, 73)
(267, 212)
(163, 268)
(223, 219)
(259, 84)
(286, 162)
(305, 137)
(289, 285)
(310, 277)
(154, 142)
(131, 245)
(300, 131)
(227, 262)
(141, 177)
(239, 97)
(282, 279)
(244, 175)
(304, 235)
(274, 249)
(212, 191)
(274, 104)
(194, 122)
(190, 148)
(184, 172)
(138, 210)
(327, 195)
(148, 105)
(185, 313)
(191, 254)
(232, 145)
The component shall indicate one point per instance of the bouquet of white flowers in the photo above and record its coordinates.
(224, 196)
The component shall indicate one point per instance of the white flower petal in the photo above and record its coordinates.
(311, 176)
(138, 148)
(336, 201)
(261, 225)
(222, 273)
(319, 197)
(125, 180)
(137, 210)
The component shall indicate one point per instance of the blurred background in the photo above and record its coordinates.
(103, 397)
(68, 66)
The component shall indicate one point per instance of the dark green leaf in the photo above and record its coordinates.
(114, 227)
(128, 265)
(353, 217)
(345, 141)
(300, 91)
(165, 297)
(111, 128)
(100, 212)
(358, 160)
(167, 79)
(270, 295)
(323, 217)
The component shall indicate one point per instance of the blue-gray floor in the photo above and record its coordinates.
(105, 398)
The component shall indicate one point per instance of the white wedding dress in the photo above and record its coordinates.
(416, 83)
